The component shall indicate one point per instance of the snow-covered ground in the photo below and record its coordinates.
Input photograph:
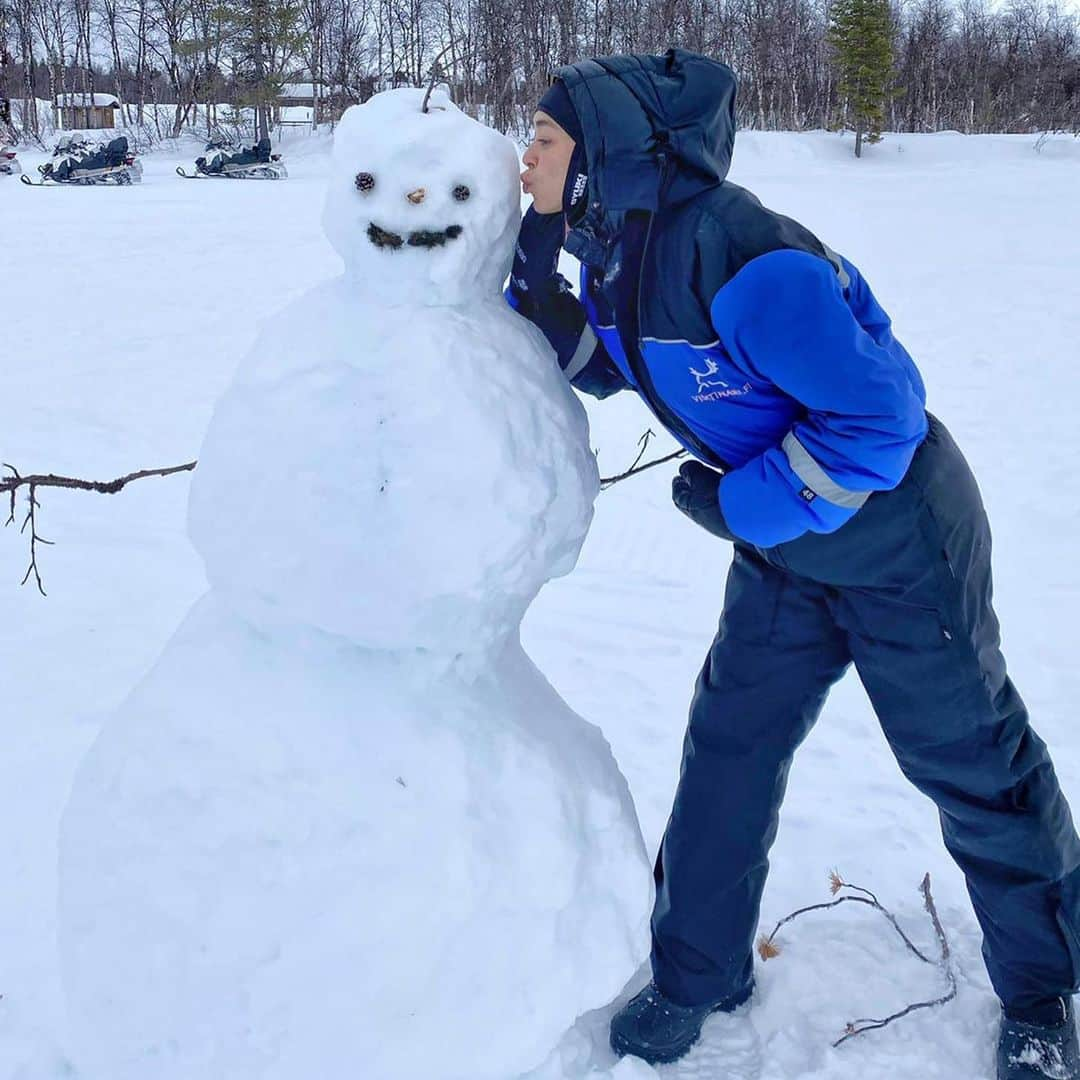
(125, 312)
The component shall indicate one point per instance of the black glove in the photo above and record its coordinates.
(536, 257)
(695, 490)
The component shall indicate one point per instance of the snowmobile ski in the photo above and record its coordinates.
(114, 176)
(269, 171)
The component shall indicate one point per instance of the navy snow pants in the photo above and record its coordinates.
(903, 591)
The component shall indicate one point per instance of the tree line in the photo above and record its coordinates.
(960, 65)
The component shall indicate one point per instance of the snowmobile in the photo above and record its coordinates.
(229, 161)
(9, 163)
(79, 160)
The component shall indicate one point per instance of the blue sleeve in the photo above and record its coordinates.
(785, 318)
(561, 318)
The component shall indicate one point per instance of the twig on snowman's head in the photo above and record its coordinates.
(435, 72)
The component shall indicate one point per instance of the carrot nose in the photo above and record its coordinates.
(416, 197)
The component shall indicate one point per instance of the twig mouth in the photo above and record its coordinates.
(422, 238)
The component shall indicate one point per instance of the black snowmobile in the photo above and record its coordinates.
(80, 160)
(9, 163)
(229, 161)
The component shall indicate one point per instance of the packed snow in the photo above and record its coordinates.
(124, 325)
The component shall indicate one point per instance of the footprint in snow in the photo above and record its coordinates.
(729, 1049)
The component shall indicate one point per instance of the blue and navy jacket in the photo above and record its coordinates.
(761, 350)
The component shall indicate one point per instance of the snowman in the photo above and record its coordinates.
(345, 828)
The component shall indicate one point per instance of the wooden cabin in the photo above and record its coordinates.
(78, 112)
(296, 104)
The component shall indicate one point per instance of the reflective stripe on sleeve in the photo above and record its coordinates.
(815, 477)
(585, 348)
(838, 266)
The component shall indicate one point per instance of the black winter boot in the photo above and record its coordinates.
(1039, 1047)
(657, 1029)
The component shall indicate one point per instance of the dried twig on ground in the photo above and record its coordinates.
(767, 947)
(643, 442)
(10, 485)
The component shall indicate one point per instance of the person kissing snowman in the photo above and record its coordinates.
(858, 530)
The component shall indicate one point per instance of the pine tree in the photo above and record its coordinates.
(861, 33)
(265, 37)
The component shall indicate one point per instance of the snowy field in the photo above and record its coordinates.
(125, 312)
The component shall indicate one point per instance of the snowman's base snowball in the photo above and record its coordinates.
(296, 858)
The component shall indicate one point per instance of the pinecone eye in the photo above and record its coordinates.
(365, 182)
(461, 193)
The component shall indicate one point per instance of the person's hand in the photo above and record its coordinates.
(695, 490)
(536, 255)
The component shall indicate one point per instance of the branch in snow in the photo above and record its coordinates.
(10, 485)
(767, 947)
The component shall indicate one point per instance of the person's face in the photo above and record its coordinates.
(546, 160)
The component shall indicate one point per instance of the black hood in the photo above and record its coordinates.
(658, 130)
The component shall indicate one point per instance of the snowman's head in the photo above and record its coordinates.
(422, 206)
